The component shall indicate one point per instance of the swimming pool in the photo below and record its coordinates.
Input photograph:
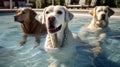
(13, 55)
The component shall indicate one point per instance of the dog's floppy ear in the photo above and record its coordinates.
(32, 14)
(92, 12)
(110, 12)
(68, 15)
(42, 16)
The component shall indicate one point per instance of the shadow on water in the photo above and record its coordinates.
(6, 56)
(1, 47)
(103, 61)
(110, 55)
(10, 57)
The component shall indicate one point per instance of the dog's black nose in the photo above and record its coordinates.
(15, 18)
(103, 16)
(51, 18)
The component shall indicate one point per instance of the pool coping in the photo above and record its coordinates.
(78, 11)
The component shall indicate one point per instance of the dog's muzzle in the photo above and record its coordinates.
(103, 17)
(16, 19)
(51, 25)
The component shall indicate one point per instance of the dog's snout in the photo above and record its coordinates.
(103, 16)
(15, 17)
(51, 18)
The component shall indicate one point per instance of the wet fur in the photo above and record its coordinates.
(97, 21)
(63, 46)
(29, 25)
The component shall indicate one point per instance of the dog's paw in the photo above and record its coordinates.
(22, 42)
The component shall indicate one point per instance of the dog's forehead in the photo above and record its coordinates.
(101, 8)
(23, 9)
(20, 10)
(58, 8)
(55, 8)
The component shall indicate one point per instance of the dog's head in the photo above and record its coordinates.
(56, 18)
(24, 14)
(101, 14)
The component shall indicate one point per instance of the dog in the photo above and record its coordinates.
(61, 44)
(101, 15)
(99, 25)
(30, 26)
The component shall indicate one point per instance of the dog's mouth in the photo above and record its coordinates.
(17, 19)
(102, 19)
(53, 29)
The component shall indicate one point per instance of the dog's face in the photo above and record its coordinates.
(56, 18)
(101, 14)
(24, 14)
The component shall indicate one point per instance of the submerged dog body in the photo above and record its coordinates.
(61, 44)
(30, 26)
(95, 32)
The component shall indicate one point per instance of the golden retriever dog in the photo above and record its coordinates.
(101, 16)
(63, 47)
(99, 24)
(30, 26)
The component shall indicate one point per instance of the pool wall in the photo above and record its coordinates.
(79, 11)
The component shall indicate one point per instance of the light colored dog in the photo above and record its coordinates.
(99, 24)
(30, 26)
(101, 16)
(61, 44)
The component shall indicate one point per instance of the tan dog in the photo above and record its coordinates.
(30, 26)
(95, 31)
(99, 23)
(101, 16)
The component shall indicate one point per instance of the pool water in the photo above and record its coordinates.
(14, 55)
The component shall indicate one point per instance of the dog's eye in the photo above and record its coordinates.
(99, 10)
(23, 12)
(47, 12)
(105, 11)
(59, 12)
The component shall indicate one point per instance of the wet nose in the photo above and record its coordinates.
(103, 16)
(51, 18)
(15, 18)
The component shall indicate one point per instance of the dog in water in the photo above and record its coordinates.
(63, 46)
(95, 32)
(101, 15)
(29, 25)
(100, 22)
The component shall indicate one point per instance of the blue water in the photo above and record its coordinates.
(14, 55)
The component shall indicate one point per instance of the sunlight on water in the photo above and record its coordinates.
(14, 55)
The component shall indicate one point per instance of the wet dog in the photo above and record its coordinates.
(61, 44)
(29, 25)
(99, 24)
(101, 15)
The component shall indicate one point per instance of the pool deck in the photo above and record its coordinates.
(78, 11)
